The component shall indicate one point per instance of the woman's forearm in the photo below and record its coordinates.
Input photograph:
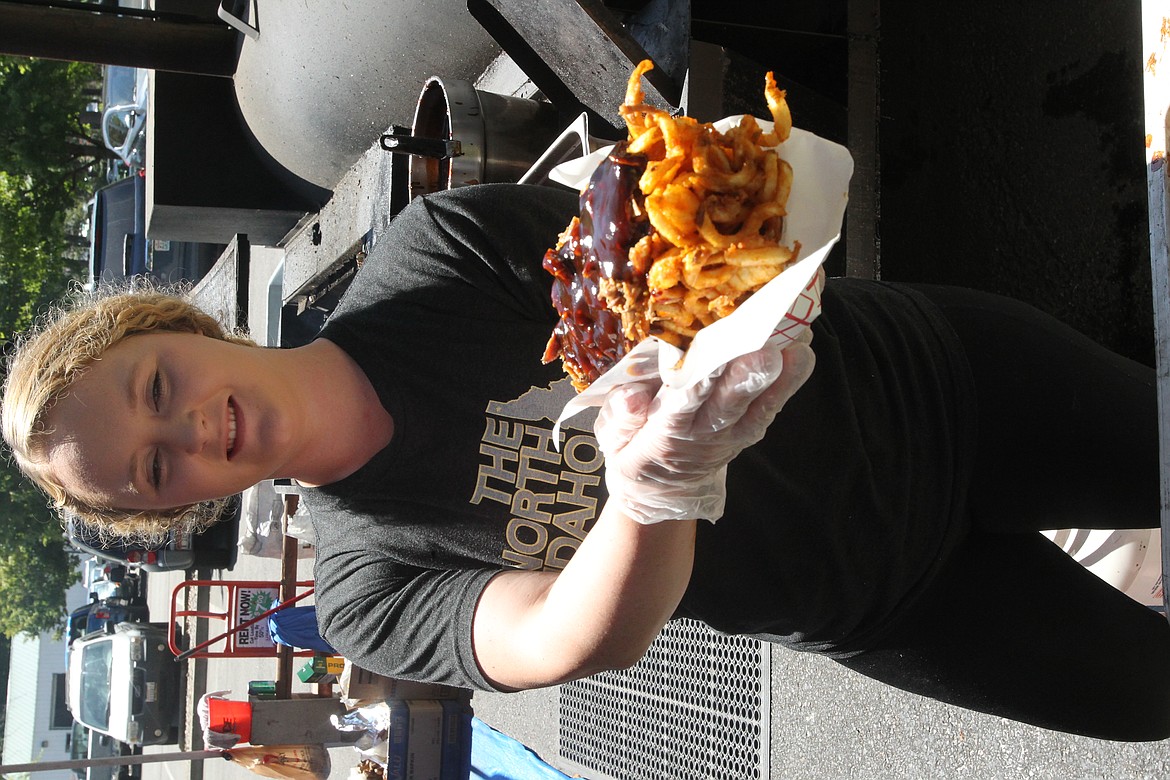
(600, 612)
(623, 584)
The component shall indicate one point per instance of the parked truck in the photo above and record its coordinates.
(120, 248)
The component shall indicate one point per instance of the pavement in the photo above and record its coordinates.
(828, 723)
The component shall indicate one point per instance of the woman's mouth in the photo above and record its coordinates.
(231, 437)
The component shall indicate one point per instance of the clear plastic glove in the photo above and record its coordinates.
(667, 450)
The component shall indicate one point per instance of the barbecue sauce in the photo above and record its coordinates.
(588, 337)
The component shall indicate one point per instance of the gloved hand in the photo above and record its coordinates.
(666, 450)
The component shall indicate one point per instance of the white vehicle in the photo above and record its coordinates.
(124, 683)
(125, 96)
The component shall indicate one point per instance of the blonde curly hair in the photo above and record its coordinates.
(51, 356)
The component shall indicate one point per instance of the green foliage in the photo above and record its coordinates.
(42, 133)
(48, 160)
(36, 564)
(33, 266)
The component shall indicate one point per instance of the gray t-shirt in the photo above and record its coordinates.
(834, 522)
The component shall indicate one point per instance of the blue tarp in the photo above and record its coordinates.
(496, 756)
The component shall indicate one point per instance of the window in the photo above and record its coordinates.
(59, 715)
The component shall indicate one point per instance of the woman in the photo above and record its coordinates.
(888, 518)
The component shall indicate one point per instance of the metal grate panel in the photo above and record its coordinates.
(696, 706)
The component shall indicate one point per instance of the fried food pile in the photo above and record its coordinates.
(677, 227)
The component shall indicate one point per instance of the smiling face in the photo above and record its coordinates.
(169, 419)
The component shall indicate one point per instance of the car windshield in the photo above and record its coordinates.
(95, 684)
(119, 86)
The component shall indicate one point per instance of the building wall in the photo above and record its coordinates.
(29, 734)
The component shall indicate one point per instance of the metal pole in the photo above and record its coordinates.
(1156, 55)
(82, 763)
(29, 30)
(863, 229)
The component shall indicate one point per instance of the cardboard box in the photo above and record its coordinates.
(456, 747)
(358, 684)
(415, 740)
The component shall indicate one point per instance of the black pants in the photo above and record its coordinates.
(1068, 438)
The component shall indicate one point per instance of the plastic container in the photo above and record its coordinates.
(1128, 559)
(230, 717)
(262, 689)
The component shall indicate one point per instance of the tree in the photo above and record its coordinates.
(48, 160)
(48, 165)
(36, 564)
(41, 129)
(34, 267)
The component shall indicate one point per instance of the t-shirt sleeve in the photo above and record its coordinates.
(398, 620)
(471, 254)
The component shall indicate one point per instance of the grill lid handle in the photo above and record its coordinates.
(422, 147)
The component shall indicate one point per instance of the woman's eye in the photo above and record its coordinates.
(156, 470)
(156, 390)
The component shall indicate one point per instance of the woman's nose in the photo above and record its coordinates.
(190, 432)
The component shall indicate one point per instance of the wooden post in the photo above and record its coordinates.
(288, 587)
